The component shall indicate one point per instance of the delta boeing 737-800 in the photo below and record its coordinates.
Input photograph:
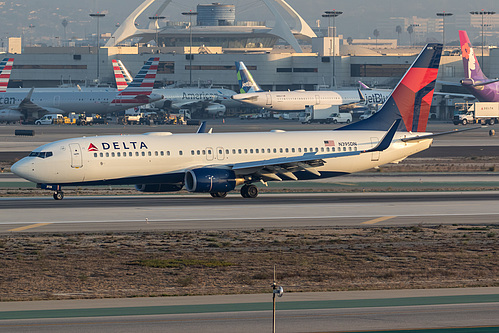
(217, 163)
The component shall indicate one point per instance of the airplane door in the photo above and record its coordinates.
(209, 153)
(375, 154)
(57, 100)
(220, 153)
(76, 158)
(269, 99)
(317, 100)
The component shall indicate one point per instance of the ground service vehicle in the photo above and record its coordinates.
(50, 119)
(483, 112)
(317, 115)
(339, 117)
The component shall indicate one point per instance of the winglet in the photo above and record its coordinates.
(202, 128)
(387, 139)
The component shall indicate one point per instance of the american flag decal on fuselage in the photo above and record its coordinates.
(329, 143)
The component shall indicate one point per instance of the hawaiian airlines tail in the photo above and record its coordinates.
(5, 70)
(141, 86)
(476, 82)
(411, 98)
(246, 81)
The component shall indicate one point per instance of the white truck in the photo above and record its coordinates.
(317, 115)
(478, 112)
(339, 117)
(50, 119)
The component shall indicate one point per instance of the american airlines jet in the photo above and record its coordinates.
(101, 101)
(251, 93)
(211, 100)
(217, 163)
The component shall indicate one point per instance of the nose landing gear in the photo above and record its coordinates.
(58, 195)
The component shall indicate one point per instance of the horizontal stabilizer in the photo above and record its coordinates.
(429, 136)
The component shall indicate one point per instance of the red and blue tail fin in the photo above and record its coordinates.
(5, 70)
(141, 86)
(411, 98)
(121, 83)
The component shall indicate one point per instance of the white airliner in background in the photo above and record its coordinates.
(216, 163)
(251, 93)
(212, 100)
(34, 102)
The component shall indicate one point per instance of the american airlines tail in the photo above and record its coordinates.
(121, 83)
(476, 82)
(141, 87)
(5, 70)
(411, 98)
(246, 81)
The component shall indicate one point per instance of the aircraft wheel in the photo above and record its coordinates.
(59, 195)
(218, 194)
(251, 191)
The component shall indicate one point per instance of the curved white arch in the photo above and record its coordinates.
(281, 29)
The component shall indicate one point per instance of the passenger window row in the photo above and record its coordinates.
(204, 152)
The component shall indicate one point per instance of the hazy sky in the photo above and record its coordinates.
(360, 17)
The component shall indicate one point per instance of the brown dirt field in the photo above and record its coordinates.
(97, 265)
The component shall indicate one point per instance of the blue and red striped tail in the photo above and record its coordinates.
(411, 99)
(121, 83)
(5, 71)
(141, 86)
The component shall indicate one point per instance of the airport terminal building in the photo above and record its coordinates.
(204, 53)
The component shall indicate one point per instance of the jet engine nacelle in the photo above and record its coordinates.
(215, 109)
(158, 187)
(210, 180)
(467, 82)
(8, 115)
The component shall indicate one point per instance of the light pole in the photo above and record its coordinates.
(31, 27)
(156, 18)
(333, 13)
(190, 14)
(443, 15)
(482, 13)
(98, 15)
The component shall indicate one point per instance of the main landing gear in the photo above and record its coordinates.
(218, 194)
(249, 191)
(58, 195)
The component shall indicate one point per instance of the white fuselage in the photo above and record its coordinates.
(165, 157)
(297, 100)
(182, 97)
(65, 100)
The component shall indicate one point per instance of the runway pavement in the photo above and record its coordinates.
(438, 310)
(201, 212)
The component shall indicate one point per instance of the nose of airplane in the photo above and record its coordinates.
(21, 168)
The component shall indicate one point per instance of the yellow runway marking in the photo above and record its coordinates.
(29, 226)
(379, 219)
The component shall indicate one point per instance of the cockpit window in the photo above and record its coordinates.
(41, 154)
